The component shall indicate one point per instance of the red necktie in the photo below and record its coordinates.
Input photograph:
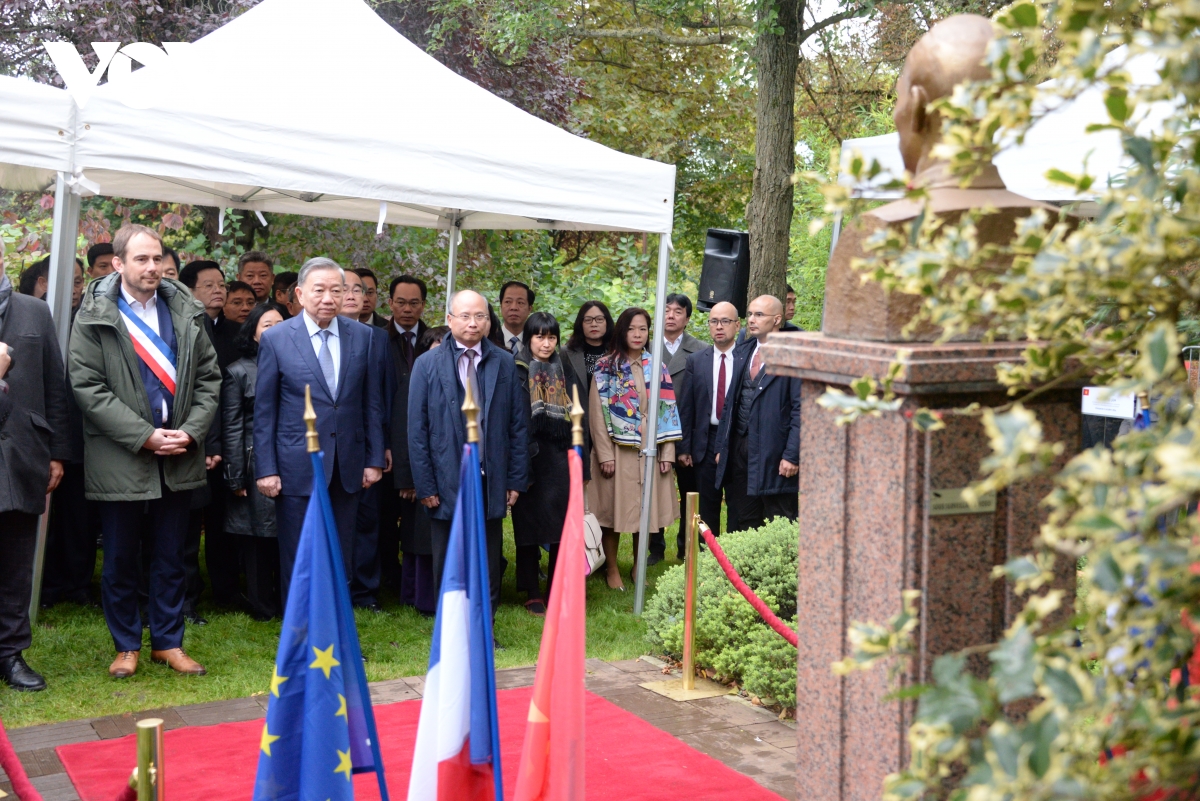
(721, 388)
(756, 363)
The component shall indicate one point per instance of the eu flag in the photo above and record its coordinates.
(320, 728)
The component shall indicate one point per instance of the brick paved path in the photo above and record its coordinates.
(746, 738)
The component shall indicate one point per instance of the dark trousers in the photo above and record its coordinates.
(685, 479)
(752, 511)
(439, 531)
(289, 519)
(220, 548)
(122, 522)
(18, 539)
(394, 511)
(710, 494)
(529, 559)
(70, 542)
(260, 558)
(417, 584)
(364, 578)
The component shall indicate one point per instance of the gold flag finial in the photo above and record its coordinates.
(471, 410)
(310, 420)
(576, 418)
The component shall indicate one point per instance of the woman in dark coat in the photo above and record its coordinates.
(249, 514)
(539, 513)
(590, 337)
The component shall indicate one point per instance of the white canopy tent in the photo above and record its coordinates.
(319, 107)
(1059, 140)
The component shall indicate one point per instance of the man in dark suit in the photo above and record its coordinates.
(407, 300)
(758, 440)
(437, 428)
(706, 382)
(33, 447)
(679, 345)
(331, 355)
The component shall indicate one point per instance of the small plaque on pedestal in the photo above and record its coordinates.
(952, 502)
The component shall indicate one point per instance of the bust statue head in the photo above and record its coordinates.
(950, 53)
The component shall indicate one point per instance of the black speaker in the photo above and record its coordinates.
(726, 272)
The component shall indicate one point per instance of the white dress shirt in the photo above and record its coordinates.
(335, 345)
(508, 339)
(673, 346)
(412, 331)
(148, 313)
(716, 372)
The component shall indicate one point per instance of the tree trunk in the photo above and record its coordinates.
(769, 212)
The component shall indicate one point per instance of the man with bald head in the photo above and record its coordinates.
(708, 376)
(758, 439)
(437, 429)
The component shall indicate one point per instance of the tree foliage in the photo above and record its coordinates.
(1107, 706)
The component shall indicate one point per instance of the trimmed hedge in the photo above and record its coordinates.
(730, 636)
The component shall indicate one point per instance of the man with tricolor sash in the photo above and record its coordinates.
(146, 379)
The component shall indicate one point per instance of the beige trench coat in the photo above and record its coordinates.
(617, 501)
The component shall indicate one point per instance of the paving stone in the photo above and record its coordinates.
(598, 667)
(42, 762)
(774, 733)
(691, 722)
(6, 787)
(774, 770)
(389, 692)
(732, 742)
(213, 712)
(613, 684)
(113, 726)
(635, 666)
(735, 711)
(55, 788)
(170, 718)
(515, 677)
(417, 683)
(52, 734)
(647, 705)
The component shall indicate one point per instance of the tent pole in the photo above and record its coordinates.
(452, 267)
(59, 286)
(651, 420)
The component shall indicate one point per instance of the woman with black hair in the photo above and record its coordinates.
(590, 338)
(540, 511)
(249, 514)
(619, 402)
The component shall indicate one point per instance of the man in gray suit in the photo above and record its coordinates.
(33, 447)
(679, 344)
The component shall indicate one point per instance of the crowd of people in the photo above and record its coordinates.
(178, 421)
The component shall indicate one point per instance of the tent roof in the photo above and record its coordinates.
(319, 107)
(1058, 140)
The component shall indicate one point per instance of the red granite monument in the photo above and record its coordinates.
(880, 510)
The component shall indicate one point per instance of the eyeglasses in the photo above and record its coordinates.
(466, 318)
(724, 321)
(355, 290)
(757, 315)
(594, 320)
(408, 304)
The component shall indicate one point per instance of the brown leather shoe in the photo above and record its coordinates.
(178, 661)
(124, 666)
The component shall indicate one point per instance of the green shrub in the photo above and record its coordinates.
(731, 638)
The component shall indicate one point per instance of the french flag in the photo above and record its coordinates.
(457, 754)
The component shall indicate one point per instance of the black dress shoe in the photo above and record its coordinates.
(653, 559)
(20, 676)
(371, 607)
(194, 619)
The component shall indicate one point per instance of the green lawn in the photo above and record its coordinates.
(72, 649)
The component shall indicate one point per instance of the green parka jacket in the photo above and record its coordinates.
(116, 413)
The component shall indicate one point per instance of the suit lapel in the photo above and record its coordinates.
(449, 376)
(304, 345)
(487, 377)
(349, 341)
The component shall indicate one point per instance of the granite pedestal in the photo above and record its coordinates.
(867, 533)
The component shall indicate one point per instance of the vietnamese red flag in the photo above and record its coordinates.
(552, 758)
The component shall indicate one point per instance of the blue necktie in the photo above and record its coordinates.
(325, 359)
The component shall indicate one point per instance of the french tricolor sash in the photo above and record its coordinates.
(149, 346)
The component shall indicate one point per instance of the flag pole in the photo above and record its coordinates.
(310, 420)
(576, 421)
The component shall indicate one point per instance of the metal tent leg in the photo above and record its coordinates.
(651, 418)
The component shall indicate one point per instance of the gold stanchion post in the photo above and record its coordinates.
(576, 417)
(471, 409)
(150, 778)
(692, 555)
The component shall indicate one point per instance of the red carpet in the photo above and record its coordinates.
(627, 758)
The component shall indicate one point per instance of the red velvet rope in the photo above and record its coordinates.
(783, 629)
(15, 771)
